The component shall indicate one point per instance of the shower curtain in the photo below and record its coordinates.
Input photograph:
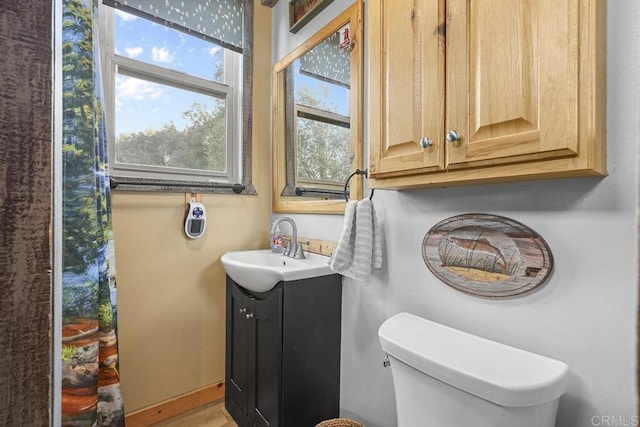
(90, 381)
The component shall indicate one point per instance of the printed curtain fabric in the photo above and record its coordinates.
(327, 62)
(90, 381)
(218, 21)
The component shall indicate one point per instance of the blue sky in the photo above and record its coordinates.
(337, 95)
(142, 105)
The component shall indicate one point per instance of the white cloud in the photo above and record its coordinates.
(183, 40)
(134, 52)
(128, 88)
(214, 50)
(161, 54)
(125, 16)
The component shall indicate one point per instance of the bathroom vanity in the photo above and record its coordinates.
(283, 352)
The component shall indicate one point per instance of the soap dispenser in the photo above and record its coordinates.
(276, 241)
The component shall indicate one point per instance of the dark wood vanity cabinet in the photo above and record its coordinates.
(283, 353)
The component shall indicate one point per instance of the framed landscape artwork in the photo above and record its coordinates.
(302, 11)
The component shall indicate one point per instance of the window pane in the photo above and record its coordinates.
(156, 44)
(322, 152)
(316, 93)
(159, 125)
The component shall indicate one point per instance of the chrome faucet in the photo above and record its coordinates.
(292, 250)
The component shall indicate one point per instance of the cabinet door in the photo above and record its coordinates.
(406, 85)
(512, 80)
(265, 361)
(239, 335)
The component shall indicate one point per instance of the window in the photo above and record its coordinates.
(322, 147)
(174, 97)
(321, 117)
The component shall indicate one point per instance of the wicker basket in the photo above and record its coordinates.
(339, 422)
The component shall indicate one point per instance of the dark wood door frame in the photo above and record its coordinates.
(25, 212)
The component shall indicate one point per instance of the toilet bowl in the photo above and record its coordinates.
(448, 378)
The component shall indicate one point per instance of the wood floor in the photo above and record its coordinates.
(212, 415)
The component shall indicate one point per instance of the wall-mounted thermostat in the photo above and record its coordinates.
(196, 220)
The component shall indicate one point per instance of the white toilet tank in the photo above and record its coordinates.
(448, 378)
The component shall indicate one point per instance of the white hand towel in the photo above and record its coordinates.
(359, 249)
(343, 255)
(376, 262)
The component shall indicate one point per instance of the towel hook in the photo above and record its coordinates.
(346, 184)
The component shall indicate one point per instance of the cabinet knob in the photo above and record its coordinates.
(425, 142)
(453, 136)
(243, 310)
(249, 315)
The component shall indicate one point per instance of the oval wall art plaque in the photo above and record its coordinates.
(487, 255)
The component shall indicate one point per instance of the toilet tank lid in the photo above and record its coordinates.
(492, 371)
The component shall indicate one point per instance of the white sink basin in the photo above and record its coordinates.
(261, 270)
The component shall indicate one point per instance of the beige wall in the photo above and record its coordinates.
(171, 290)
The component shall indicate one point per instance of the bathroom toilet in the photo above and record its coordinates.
(448, 378)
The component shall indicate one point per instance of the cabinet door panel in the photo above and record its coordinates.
(511, 80)
(237, 352)
(406, 88)
(267, 319)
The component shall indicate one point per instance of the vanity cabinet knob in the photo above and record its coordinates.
(249, 315)
(453, 136)
(425, 142)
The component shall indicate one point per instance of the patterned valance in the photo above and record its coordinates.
(328, 62)
(218, 21)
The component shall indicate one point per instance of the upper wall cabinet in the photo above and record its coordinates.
(466, 91)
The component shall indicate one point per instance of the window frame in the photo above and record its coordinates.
(236, 90)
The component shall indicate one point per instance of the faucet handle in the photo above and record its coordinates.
(299, 252)
(287, 249)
